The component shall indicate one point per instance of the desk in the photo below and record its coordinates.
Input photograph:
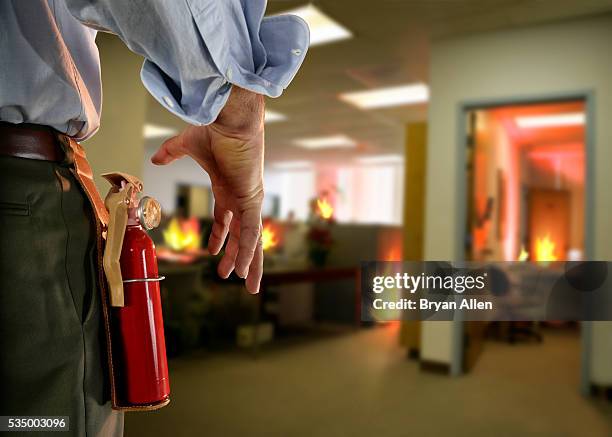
(295, 275)
(183, 303)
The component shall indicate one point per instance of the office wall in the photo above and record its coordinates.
(548, 59)
(118, 145)
(436, 342)
(494, 155)
(600, 366)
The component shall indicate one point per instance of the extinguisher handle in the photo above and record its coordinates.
(117, 202)
(118, 179)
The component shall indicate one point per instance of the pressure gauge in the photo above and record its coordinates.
(149, 212)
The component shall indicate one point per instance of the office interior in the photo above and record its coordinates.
(469, 130)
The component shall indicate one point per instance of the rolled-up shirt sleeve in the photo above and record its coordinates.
(195, 50)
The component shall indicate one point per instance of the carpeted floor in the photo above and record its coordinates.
(361, 384)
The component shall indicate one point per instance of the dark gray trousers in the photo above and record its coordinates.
(52, 350)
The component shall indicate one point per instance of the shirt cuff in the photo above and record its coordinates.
(214, 95)
(276, 58)
(285, 39)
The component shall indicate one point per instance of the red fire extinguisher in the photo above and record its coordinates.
(136, 309)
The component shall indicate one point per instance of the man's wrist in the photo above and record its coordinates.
(243, 114)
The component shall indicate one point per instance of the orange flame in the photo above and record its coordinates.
(183, 236)
(395, 254)
(545, 249)
(268, 238)
(524, 255)
(325, 209)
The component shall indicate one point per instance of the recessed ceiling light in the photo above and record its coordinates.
(292, 165)
(323, 29)
(568, 119)
(273, 116)
(334, 141)
(157, 131)
(389, 96)
(381, 159)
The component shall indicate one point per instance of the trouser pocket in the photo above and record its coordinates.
(13, 208)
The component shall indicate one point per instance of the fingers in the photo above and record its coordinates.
(255, 270)
(228, 262)
(220, 228)
(250, 232)
(236, 247)
(169, 151)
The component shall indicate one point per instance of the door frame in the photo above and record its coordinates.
(588, 96)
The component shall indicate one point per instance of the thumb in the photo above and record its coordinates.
(171, 150)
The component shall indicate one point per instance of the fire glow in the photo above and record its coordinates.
(269, 239)
(183, 235)
(545, 249)
(324, 208)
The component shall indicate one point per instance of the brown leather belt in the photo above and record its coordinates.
(30, 141)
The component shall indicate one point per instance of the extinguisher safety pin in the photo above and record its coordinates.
(161, 278)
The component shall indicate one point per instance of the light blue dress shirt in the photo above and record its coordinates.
(194, 51)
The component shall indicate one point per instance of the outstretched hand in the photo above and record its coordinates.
(231, 151)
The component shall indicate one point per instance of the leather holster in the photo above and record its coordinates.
(81, 169)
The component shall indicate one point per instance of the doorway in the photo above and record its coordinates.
(526, 182)
(524, 194)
